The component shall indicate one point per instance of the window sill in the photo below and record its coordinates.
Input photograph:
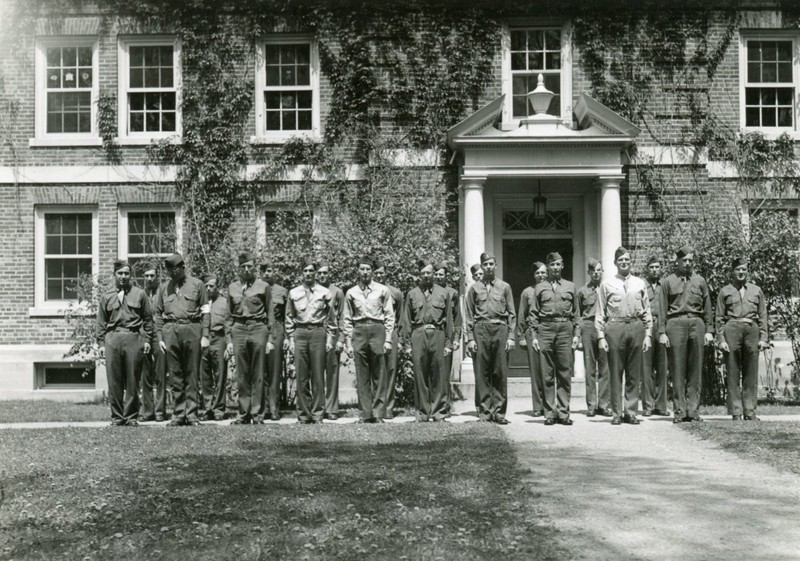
(283, 138)
(55, 311)
(73, 141)
(146, 140)
(772, 133)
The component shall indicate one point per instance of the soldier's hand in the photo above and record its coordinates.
(648, 342)
(763, 345)
(286, 344)
(349, 350)
(523, 343)
(407, 349)
(101, 352)
(602, 344)
(575, 342)
(204, 342)
(387, 347)
(709, 338)
(472, 348)
(663, 340)
(447, 351)
(163, 346)
(270, 347)
(229, 350)
(723, 346)
(328, 347)
(146, 348)
(535, 344)
(339, 346)
(456, 345)
(510, 344)
(289, 345)
(205, 309)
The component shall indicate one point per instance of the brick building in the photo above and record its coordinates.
(529, 182)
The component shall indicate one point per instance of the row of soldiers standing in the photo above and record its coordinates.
(615, 321)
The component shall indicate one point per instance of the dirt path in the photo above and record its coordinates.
(656, 492)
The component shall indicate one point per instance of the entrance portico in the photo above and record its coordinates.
(578, 170)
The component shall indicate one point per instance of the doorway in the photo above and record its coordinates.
(518, 256)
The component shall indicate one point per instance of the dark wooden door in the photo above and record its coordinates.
(518, 255)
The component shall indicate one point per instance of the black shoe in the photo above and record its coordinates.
(133, 423)
(696, 419)
(159, 418)
(590, 413)
(564, 421)
(117, 424)
(677, 420)
(500, 421)
(332, 417)
(219, 416)
(240, 421)
(604, 412)
(647, 413)
(661, 412)
(751, 418)
(736, 417)
(537, 414)
(176, 423)
(208, 416)
(148, 419)
(616, 421)
(304, 421)
(275, 417)
(378, 420)
(549, 422)
(631, 420)
(193, 423)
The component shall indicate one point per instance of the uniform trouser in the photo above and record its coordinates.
(653, 390)
(431, 378)
(214, 374)
(249, 348)
(309, 361)
(368, 340)
(332, 382)
(391, 374)
(183, 363)
(556, 362)
(742, 365)
(595, 362)
(491, 370)
(625, 355)
(154, 377)
(685, 356)
(271, 401)
(537, 382)
(124, 350)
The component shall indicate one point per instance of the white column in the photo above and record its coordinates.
(474, 235)
(610, 220)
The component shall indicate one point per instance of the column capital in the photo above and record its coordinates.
(472, 182)
(608, 181)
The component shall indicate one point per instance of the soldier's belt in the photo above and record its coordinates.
(308, 325)
(555, 320)
(747, 321)
(367, 321)
(250, 321)
(182, 321)
(123, 329)
(428, 326)
(685, 315)
(623, 320)
(588, 320)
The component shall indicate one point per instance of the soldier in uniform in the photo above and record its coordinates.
(476, 272)
(687, 327)
(334, 355)
(182, 329)
(123, 313)
(524, 336)
(428, 333)
(368, 323)
(654, 372)
(440, 278)
(214, 358)
(741, 320)
(490, 337)
(594, 362)
(271, 400)
(379, 274)
(250, 306)
(556, 334)
(154, 363)
(311, 332)
(624, 326)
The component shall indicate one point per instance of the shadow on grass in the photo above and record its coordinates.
(329, 492)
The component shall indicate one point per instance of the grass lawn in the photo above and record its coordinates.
(776, 443)
(347, 492)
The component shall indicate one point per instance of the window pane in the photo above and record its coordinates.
(520, 85)
(767, 96)
(85, 78)
(752, 117)
(68, 78)
(53, 57)
(303, 76)
(288, 101)
(769, 51)
(535, 40)
(768, 117)
(304, 120)
(69, 245)
(751, 96)
(303, 54)
(166, 56)
(288, 76)
(553, 40)
(536, 61)
(273, 120)
(69, 375)
(166, 77)
(518, 40)
(273, 76)
(753, 72)
(288, 54)
(168, 101)
(137, 122)
(69, 56)
(289, 121)
(785, 72)
(304, 100)
(136, 56)
(151, 56)
(272, 100)
(136, 77)
(85, 245)
(769, 73)
(272, 56)
(168, 122)
(785, 96)
(553, 61)
(151, 78)
(152, 102)
(85, 56)
(52, 245)
(151, 122)
(784, 117)
(137, 101)
(54, 78)
(84, 122)
(520, 105)
(518, 61)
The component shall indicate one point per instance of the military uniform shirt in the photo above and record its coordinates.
(397, 303)
(457, 320)
(374, 302)
(680, 296)
(587, 301)
(252, 303)
(337, 304)
(219, 317)
(181, 301)
(311, 306)
(622, 298)
(428, 307)
(525, 305)
(731, 304)
(132, 314)
(279, 296)
(551, 300)
(654, 294)
(490, 301)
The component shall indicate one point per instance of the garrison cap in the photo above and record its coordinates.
(486, 257)
(209, 277)
(475, 268)
(265, 263)
(121, 264)
(554, 256)
(323, 265)
(683, 251)
(620, 252)
(738, 262)
(423, 263)
(592, 265)
(308, 262)
(173, 261)
(654, 259)
(538, 265)
(378, 264)
(246, 256)
(440, 265)
(365, 260)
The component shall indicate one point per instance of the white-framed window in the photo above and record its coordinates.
(66, 248)
(530, 50)
(769, 80)
(66, 91)
(285, 224)
(149, 88)
(64, 376)
(287, 88)
(147, 231)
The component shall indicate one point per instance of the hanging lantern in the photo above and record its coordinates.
(539, 204)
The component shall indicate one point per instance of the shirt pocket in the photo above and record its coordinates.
(113, 303)
(752, 303)
(300, 303)
(547, 303)
(614, 301)
(190, 303)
